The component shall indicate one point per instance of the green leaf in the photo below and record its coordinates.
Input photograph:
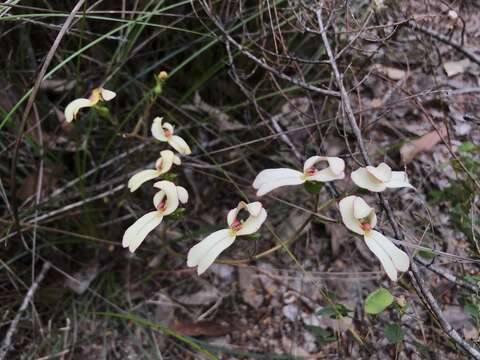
(378, 301)
(426, 254)
(472, 310)
(323, 336)
(394, 333)
(332, 310)
(178, 213)
(313, 187)
(467, 147)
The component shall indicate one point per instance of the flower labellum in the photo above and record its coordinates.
(163, 165)
(361, 219)
(164, 132)
(206, 251)
(270, 179)
(98, 94)
(379, 178)
(166, 201)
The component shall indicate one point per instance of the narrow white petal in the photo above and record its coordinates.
(399, 258)
(272, 175)
(137, 232)
(72, 108)
(253, 223)
(360, 208)
(362, 178)
(399, 180)
(346, 211)
(176, 160)
(374, 244)
(266, 188)
(382, 172)
(107, 95)
(139, 178)
(182, 194)
(157, 129)
(171, 195)
(179, 144)
(200, 250)
(214, 252)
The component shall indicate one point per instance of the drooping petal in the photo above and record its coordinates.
(253, 223)
(270, 179)
(206, 251)
(157, 129)
(325, 175)
(107, 95)
(158, 198)
(336, 164)
(382, 172)
(143, 176)
(182, 194)
(311, 161)
(399, 180)
(346, 206)
(399, 258)
(138, 231)
(382, 248)
(179, 144)
(362, 178)
(72, 108)
(334, 170)
(176, 160)
(171, 202)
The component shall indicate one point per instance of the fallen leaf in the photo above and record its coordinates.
(390, 72)
(453, 68)
(249, 285)
(203, 328)
(410, 150)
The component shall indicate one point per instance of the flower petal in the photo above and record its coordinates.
(399, 258)
(182, 194)
(158, 198)
(360, 208)
(335, 164)
(253, 223)
(179, 144)
(171, 203)
(325, 175)
(254, 208)
(381, 247)
(139, 178)
(382, 172)
(362, 178)
(270, 179)
(176, 160)
(164, 164)
(72, 108)
(138, 231)
(347, 212)
(157, 129)
(107, 95)
(399, 180)
(232, 214)
(311, 161)
(206, 251)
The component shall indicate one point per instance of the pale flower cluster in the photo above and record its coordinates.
(356, 214)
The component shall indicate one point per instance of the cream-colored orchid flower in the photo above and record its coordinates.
(206, 251)
(163, 165)
(270, 179)
(361, 219)
(379, 178)
(164, 132)
(166, 201)
(98, 94)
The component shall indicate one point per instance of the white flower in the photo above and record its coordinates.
(98, 94)
(206, 251)
(270, 179)
(163, 165)
(166, 201)
(164, 132)
(379, 178)
(361, 219)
